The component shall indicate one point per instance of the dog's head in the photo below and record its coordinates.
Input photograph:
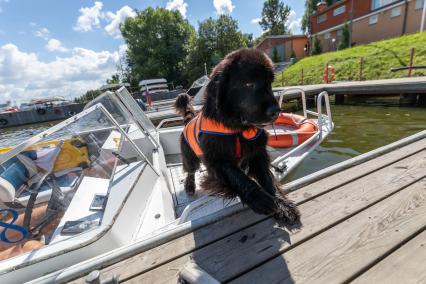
(240, 91)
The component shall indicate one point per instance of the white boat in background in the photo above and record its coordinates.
(102, 181)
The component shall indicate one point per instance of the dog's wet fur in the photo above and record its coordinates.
(240, 96)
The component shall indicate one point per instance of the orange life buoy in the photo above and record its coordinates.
(328, 74)
(291, 130)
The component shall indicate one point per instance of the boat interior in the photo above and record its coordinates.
(105, 178)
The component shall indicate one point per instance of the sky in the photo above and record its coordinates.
(63, 47)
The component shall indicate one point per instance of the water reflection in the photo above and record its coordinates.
(358, 129)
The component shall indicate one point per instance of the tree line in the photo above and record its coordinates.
(162, 44)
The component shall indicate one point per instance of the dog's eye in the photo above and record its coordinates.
(250, 85)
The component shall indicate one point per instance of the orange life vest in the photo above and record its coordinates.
(200, 124)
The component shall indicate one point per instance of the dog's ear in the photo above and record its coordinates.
(218, 86)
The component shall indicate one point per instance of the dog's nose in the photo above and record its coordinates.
(273, 111)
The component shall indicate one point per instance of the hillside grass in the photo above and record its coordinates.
(379, 57)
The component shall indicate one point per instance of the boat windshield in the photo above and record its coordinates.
(56, 185)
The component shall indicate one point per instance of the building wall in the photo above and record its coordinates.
(414, 17)
(361, 7)
(284, 46)
(326, 40)
(386, 26)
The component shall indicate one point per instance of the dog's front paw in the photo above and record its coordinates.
(260, 202)
(287, 210)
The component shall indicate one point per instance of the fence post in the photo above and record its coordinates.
(326, 72)
(411, 61)
(302, 76)
(282, 78)
(361, 61)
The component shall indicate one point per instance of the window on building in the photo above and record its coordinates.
(373, 19)
(322, 18)
(419, 4)
(327, 35)
(395, 12)
(376, 4)
(339, 10)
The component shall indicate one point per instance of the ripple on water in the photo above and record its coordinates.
(358, 129)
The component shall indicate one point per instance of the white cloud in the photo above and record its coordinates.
(179, 5)
(113, 28)
(89, 17)
(223, 6)
(44, 33)
(55, 45)
(256, 20)
(24, 76)
(294, 23)
(2, 1)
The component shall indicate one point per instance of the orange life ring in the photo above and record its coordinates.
(291, 130)
(325, 74)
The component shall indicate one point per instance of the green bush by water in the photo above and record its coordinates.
(379, 57)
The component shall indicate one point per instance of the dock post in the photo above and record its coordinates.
(339, 99)
(407, 99)
(302, 77)
(310, 101)
(421, 102)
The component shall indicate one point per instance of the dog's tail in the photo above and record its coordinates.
(184, 108)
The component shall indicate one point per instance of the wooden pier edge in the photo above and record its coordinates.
(118, 255)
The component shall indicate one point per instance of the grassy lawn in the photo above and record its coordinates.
(379, 57)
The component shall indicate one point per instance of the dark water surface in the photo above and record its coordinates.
(358, 129)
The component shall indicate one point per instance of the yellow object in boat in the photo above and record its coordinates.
(74, 153)
(4, 150)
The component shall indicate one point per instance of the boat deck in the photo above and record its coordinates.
(362, 221)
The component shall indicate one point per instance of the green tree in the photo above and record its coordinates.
(115, 79)
(275, 56)
(88, 96)
(216, 38)
(158, 42)
(317, 49)
(310, 8)
(274, 17)
(344, 41)
(250, 40)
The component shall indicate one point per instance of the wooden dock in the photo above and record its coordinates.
(413, 85)
(363, 221)
(401, 86)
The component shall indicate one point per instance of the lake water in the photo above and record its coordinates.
(358, 129)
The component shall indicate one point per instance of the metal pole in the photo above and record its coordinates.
(282, 78)
(205, 68)
(422, 22)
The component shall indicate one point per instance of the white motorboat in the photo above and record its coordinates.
(104, 180)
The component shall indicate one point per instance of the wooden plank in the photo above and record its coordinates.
(146, 261)
(245, 249)
(351, 246)
(406, 265)
(159, 255)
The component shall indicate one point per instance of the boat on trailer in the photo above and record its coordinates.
(107, 179)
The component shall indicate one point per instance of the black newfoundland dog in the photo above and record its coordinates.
(227, 135)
